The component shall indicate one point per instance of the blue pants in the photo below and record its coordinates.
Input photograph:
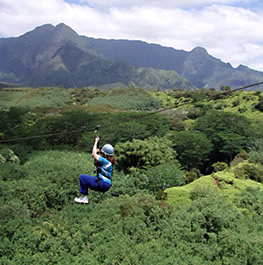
(87, 181)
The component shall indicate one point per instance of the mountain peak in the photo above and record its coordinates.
(63, 26)
(242, 67)
(61, 30)
(65, 31)
(199, 50)
(40, 30)
(44, 27)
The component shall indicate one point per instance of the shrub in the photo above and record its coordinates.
(242, 110)
(259, 105)
(236, 102)
(9, 155)
(243, 155)
(194, 113)
(256, 151)
(256, 157)
(249, 171)
(163, 176)
(190, 176)
(2, 159)
(252, 199)
(11, 171)
(135, 182)
(48, 180)
(144, 153)
(13, 209)
(219, 166)
(161, 195)
(23, 151)
(200, 191)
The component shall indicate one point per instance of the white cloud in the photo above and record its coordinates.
(155, 3)
(230, 33)
(16, 16)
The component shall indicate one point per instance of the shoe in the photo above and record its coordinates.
(82, 199)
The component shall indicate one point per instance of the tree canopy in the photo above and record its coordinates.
(187, 184)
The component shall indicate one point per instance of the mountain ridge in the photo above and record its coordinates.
(197, 66)
(57, 56)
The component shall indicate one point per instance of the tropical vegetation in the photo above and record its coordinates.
(187, 185)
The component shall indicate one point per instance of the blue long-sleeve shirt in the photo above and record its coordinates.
(106, 169)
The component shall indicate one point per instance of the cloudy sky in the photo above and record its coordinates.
(230, 30)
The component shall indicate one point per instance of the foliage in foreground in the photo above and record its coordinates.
(139, 230)
(215, 219)
(40, 224)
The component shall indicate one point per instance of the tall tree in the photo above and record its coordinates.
(192, 147)
(228, 132)
(144, 153)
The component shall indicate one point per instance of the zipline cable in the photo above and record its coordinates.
(44, 135)
(127, 119)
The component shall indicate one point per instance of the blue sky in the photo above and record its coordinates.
(230, 30)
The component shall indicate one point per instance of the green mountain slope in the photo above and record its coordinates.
(197, 66)
(58, 56)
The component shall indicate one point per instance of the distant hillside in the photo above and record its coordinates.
(197, 66)
(58, 56)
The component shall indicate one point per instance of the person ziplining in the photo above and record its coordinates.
(103, 180)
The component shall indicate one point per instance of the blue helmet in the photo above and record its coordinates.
(108, 149)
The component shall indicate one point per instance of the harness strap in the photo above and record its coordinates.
(108, 165)
(101, 171)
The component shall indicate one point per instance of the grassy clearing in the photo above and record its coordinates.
(224, 182)
(34, 98)
(127, 100)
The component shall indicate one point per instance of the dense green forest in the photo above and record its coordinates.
(187, 185)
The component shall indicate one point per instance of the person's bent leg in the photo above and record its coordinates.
(86, 181)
